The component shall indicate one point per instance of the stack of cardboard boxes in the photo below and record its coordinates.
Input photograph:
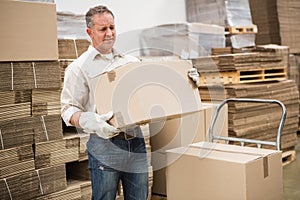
(33, 149)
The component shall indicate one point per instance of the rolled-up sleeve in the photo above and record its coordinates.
(74, 94)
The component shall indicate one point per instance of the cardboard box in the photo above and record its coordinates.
(188, 129)
(221, 171)
(181, 132)
(145, 92)
(28, 32)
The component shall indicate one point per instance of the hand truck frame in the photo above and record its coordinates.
(242, 141)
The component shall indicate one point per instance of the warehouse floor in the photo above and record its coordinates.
(291, 177)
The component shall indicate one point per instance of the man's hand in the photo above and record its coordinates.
(193, 74)
(95, 123)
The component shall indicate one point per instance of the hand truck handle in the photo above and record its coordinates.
(213, 137)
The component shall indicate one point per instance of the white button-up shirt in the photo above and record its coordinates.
(81, 78)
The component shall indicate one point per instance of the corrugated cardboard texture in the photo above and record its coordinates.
(28, 31)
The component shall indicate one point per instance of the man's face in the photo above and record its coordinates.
(103, 33)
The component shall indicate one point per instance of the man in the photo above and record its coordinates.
(114, 156)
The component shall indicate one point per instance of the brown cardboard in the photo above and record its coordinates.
(220, 171)
(181, 132)
(28, 31)
(145, 92)
(188, 129)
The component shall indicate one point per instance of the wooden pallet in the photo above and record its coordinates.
(241, 29)
(158, 197)
(244, 76)
(288, 157)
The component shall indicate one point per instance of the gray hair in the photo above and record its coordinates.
(94, 11)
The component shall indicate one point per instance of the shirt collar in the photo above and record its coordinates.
(94, 53)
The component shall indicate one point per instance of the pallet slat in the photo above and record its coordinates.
(288, 157)
(241, 29)
(244, 76)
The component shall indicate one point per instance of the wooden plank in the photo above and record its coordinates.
(288, 157)
(249, 75)
(241, 29)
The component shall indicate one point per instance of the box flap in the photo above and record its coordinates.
(235, 148)
(207, 153)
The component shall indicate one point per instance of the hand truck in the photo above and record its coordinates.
(242, 141)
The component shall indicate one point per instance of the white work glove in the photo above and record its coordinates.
(95, 123)
(193, 74)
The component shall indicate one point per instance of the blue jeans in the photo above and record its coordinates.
(115, 160)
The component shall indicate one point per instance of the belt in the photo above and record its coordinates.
(124, 136)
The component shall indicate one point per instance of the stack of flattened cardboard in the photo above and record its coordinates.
(46, 102)
(16, 160)
(72, 132)
(75, 190)
(69, 50)
(33, 183)
(72, 48)
(29, 100)
(79, 184)
(56, 152)
(264, 63)
(294, 71)
(29, 75)
(278, 22)
(260, 121)
(47, 128)
(293, 68)
(16, 132)
(29, 130)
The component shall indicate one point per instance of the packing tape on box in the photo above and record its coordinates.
(6, 184)
(111, 75)
(34, 75)
(40, 182)
(1, 138)
(45, 128)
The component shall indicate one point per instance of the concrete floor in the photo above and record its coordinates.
(291, 177)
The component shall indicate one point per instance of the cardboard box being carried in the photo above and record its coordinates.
(220, 171)
(28, 31)
(145, 92)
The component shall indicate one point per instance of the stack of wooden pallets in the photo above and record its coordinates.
(263, 64)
